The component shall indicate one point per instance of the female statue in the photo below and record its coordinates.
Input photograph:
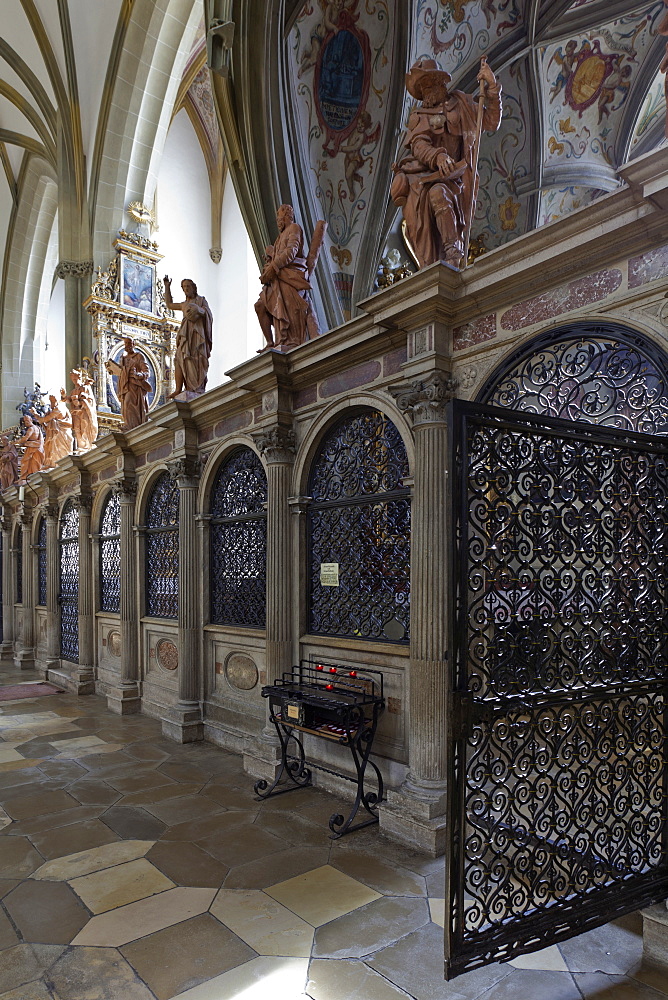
(58, 430)
(83, 410)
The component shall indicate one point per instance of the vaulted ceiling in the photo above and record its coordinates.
(312, 103)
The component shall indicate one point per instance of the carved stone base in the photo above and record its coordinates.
(655, 937)
(6, 651)
(417, 821)
(262, 759)
(25, 659)
(75, 679)
(186, 396)
(122, 699)
(183, 724)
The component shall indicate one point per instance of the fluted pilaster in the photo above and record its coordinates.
(7, 648)
(50, 512)
(86, 593)
(26, 653)
(123, 698)
(186, 471)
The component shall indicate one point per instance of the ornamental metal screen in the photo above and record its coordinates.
(359, 520)
(558, 788)
(238, 540)
(110, 555)
(18, 564)
(162, 549)
(69, 582)
(41, 563)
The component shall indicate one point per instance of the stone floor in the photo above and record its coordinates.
(133, 868)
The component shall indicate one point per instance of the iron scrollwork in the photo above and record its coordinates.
(162, 549)
(238, 539)
(110, 555)
(359, 518)
(41, 562)
(561, 677)
(608, 380)
(69, 582)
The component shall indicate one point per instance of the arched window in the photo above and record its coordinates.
(41, 562)
(69, 582)
(359, 532)
(239, 542)
(599, 373)
(18, 564)
(110, 555)
(162, 549)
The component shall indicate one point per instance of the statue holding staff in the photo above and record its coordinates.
(58, 432)
(193, 341)
(284, 302)
(436, 182)
(133, 385)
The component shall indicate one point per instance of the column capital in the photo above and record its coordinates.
(49, 510)
(74, 268)
(25, 515)
(185, 471)
(426, 398)
(83, 502)
(276, 444)
(125, 489)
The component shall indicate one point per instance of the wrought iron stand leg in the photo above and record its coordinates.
(299, 775)
(370, 800)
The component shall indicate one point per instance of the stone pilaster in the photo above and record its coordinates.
(186, 724)
(85, 670)
(50, 511)
(124, 698)
(416, 814)
(7, 648)
(276, 445)
(25, 656)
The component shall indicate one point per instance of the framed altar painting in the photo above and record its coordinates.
(137, 284)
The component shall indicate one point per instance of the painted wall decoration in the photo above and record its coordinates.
(340, 64)
(586, 83)
(457, 32)
(558, 201)
(652, 112)
(505, 166)
(137, 284)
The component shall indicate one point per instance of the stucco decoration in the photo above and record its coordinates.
(458, 32)
(340, 56)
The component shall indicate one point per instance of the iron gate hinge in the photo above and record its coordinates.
(465, 712)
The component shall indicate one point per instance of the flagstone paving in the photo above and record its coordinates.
(136, 868)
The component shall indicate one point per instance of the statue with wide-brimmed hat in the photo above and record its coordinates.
(436, 180)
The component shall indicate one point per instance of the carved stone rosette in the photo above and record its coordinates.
(426, 399)
(276, 444)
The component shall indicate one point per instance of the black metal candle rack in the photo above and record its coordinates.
(332, 702)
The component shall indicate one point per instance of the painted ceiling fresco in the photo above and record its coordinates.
(581, 95)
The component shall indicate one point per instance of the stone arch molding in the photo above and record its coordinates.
(216, 459)
(158, 41)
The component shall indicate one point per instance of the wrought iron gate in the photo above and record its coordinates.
(558, 786)
(69, 583)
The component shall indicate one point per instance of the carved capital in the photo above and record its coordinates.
(49, 511)
(83, 502)
(125, 490)
(185, 471)
(276, 444)
(425, 399)
(25, 515)
(74, 268)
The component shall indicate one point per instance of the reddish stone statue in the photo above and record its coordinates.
(83, 409)
(32, 443)
(436, 182)
(284, 303)
(9, 463)
(193, 341)
(58, 430)
(133, 385)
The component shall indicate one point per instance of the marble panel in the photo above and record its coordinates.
(564, 299)
(477, 332)
(648, 266)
